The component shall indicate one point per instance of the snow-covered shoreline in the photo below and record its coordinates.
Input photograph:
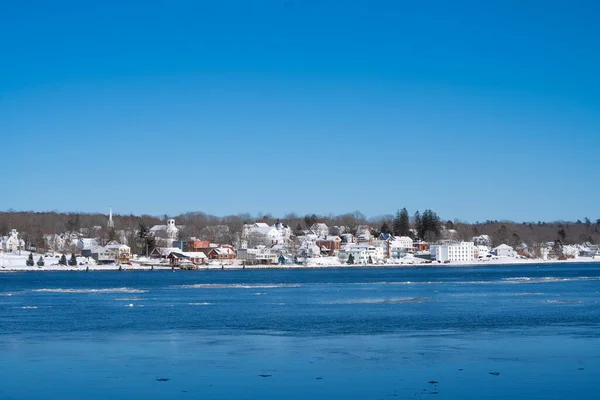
(17, 263)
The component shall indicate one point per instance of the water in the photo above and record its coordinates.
(498, 332)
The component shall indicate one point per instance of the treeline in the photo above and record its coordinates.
(426, 225)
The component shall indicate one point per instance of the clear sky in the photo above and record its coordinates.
(475, 109)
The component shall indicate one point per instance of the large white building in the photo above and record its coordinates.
(166, 233)
(461, 251)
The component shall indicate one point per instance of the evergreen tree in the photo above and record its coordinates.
(73, 260)
(146, 239)
(370, 261)
(401, 224)
(396, 224)
(112, 235)
(404, 223)
(310, 220)
(429, 226)
(63, 260)
(385, 228)
(418, 225)
(30, 260)
(40, 262)
(350, 259)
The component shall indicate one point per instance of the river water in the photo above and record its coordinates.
(376, 333)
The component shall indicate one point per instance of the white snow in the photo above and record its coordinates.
(15, 263)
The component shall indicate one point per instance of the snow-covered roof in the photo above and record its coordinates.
(187, 254)
(223, 250)
(165, 251)
(503, 247)
(329, 239)
(115, 246)
(261, 225)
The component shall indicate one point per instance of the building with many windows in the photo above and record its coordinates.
(460, 251)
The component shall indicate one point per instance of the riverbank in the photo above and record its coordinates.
(17, 263)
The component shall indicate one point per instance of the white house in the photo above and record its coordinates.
(398, 246)
(481, 251)
(111, 253)
(102, 255)
(483, 240)
(363, 233)
(308, 249)
(86, 243)
(261, 233)
(320, 229)
(260, 255)
(504, 250)
(168, 232)
(284, 230)
(12, 242)
(362, 253)
(461, 251)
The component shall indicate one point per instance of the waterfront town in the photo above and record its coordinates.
(260, 244)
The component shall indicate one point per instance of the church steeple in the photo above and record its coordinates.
(110, 220)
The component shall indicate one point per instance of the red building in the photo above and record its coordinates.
(223, 252)
(198, 245)
(330, 244)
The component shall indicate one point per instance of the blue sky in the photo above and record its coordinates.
(477, 110)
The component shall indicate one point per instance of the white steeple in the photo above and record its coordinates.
(110, 220)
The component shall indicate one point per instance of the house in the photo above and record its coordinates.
(363, 234)
(504, 250)
(308, 249)
(120, 252)
(111, 253)
(163, 252)
(347, 237)
(481, 251)
(180, 257)
(362, 253)
(85, 246)
(223, 252)
(102, 255)
(420, 245)
(338, 230)
(320, 229)
(284, 230)
(261, 255)
(483, 240)
(198, 245)
(261, 233)
(398, 246)
(167, 233)
(12, 243)
(329, 245)
(460, 251)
